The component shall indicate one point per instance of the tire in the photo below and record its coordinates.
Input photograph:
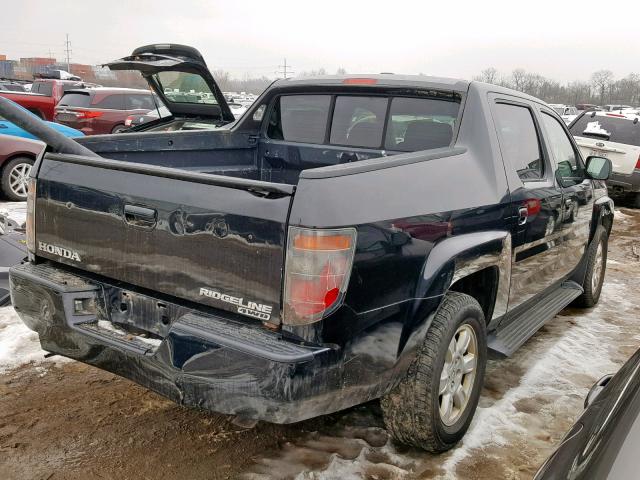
(15, 174)
(596, 267)
(412, 410)
(635, 201)
(119, 129)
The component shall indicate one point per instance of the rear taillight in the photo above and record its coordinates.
(87, 114)
(638, 163)
(317, 270)
(31, 215)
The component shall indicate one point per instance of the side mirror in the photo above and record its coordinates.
(599, 168)
(596, 389)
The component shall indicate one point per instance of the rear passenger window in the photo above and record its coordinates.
(519, 140)
(111, 102)
(299, 118)
(139, 101)
(358, 121)
(420, 124)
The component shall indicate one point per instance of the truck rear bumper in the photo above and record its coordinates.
(622, 184)
(204, 360)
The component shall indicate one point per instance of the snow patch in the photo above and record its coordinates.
(18, 344)
(577, 350)
(16, 211)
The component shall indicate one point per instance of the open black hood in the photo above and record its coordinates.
(180, 77)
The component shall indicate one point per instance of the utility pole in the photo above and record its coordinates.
(67, 49)
(285, 69)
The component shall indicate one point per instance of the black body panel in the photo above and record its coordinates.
(180, 211)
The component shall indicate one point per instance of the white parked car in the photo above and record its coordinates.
(616, 108)
(567, 112)
(617, 137)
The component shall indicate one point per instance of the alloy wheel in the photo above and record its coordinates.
(598, 268)
(18, 179)
(458, 374)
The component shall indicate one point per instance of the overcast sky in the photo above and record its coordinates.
(562, 39)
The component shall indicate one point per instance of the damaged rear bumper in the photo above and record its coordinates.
(197, 359)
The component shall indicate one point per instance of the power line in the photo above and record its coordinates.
(285, 69)
(67, 49)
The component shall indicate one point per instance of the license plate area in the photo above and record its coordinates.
(131, 309)
(598, 153)
(67, 117)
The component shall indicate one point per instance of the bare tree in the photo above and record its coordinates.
(488, 75)
(601, 81)
(341, 71)
(518, 78)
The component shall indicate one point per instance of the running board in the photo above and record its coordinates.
(508, 338)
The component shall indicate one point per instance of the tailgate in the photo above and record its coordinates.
(210, 239)
(623, 157)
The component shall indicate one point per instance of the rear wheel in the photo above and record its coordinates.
(432, 407)
(118, 129)
(596, 267)
(15, 176)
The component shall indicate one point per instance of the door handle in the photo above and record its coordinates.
(523, 215)
(140, 216)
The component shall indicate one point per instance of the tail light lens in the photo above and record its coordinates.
(86, 114)
(317, 270)
(31, 215)
(638, 163)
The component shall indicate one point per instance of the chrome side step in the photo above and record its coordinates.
(508, 338)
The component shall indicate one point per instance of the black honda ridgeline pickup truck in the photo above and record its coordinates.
(347, 239)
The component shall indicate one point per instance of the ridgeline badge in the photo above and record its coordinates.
(60, 251)
(251, 309)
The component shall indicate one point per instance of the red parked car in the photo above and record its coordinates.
(17, 155)
(44, 96)
(102, 110)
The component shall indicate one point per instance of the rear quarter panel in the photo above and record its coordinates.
(403, 214)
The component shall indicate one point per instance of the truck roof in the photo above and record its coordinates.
(383, 79)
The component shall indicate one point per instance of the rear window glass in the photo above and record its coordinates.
(184, 87)
(75, 100)
(43, 88)
(300, 118)
(613, 129)
(358, 121)
(110, 102)
(420, 124)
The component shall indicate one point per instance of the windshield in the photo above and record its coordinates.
(183, 87)
(613, 129)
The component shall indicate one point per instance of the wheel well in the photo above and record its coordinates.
(13, 157)
(481, 285)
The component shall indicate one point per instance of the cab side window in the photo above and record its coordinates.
(570, 170)
(519, 141)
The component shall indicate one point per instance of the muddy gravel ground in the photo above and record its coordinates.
(66, 420)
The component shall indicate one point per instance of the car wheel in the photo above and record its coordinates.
(635, 202)
(119, 129)
(596, 267)
(432, 406)
(15, 176)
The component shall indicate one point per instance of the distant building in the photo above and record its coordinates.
(3, 57)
